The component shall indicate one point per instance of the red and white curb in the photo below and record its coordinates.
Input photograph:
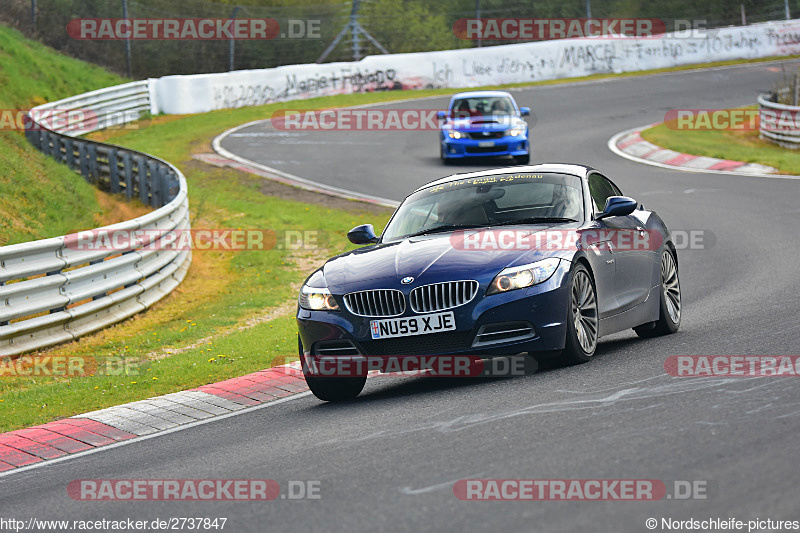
(79, 434)
(630, 145)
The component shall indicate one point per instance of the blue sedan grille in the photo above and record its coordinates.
(483, 135)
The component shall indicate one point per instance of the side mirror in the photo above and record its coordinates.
(364, 234)
(618, 206)
(441, 115)
(524, 111)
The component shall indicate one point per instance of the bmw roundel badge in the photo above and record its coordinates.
(406, 280)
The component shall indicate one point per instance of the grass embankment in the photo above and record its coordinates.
(38, 197)
(233, 314)
(733, 145)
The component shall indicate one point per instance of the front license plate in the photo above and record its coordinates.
(486, 144)
(413, 325)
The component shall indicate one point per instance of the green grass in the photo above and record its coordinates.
(725, 144)
(38, 197)
(32, 74)
(233, 314)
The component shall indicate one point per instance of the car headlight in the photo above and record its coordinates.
(317, 299)
(514, 132)
(453, 134)
(523, 276)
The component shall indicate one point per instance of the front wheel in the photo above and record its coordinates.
(583, 321)
(522, 159)
(335, 389)
(445, 160)
(669, 314)
(330, 389)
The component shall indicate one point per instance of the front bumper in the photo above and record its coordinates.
(524, 320)
(464, 148)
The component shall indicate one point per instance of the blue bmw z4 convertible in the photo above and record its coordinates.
(483, 124)
(539, 260)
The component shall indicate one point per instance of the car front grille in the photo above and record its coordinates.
(378, 302)
(436, 343)
(485, 149)
(441, 296)
(483, 135)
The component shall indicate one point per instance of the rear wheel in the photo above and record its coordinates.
(331, 389)
(522, 159)
(582, 321)
(669, 315)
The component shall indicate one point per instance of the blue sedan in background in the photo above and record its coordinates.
(484, 124)
(541, 260)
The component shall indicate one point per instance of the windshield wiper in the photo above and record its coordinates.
(444, 228)
(534, 220)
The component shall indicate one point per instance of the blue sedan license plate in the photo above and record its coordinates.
(486, 144)
(412, 325)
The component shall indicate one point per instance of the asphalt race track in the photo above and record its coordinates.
(387, 461)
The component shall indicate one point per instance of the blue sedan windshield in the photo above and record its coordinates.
(480, 107)
(488, 201)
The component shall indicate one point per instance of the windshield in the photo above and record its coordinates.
(480, 107)
(488, 201)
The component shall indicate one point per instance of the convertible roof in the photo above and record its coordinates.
(559, 168)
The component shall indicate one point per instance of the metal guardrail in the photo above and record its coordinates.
(778, 123)
(52, 291)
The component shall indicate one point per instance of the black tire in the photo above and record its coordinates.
(669, 313)
(582, 318)
(331, 389)
(445, 160)
(335, 389)
(522, 159)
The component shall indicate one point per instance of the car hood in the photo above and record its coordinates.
(428, 259)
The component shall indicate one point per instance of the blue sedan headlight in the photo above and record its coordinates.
(317, 299)
(453, 134)
(517, 131)
(523, 276)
